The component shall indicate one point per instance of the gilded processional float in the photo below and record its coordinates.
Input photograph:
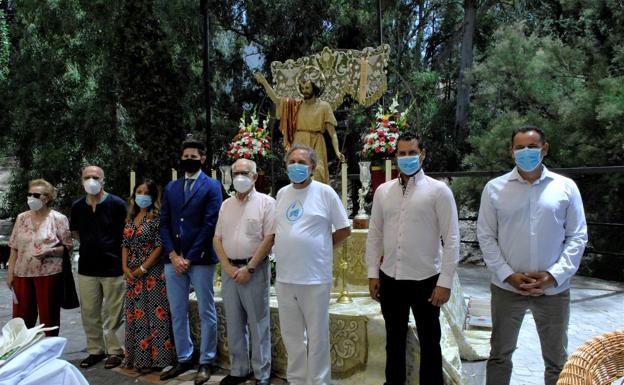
(356, 324)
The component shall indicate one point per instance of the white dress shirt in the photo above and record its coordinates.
(525, 227)
(193, 179)
(406, 228)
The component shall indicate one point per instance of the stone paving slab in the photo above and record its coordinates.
(597, 307)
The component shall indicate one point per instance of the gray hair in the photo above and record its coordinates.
(248, 161)
(308, 149)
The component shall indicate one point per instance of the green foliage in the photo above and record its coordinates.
(60, 114)
(552, 83)
(150, 89)
(4, 48)
(4, 72)
(528, 79)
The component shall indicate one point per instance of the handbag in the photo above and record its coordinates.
(69, 296)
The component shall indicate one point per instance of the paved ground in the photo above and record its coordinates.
(597, 306)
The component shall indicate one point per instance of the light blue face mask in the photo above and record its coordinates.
(528, 159)
(298, 173)
(143, 201)
(409, 165)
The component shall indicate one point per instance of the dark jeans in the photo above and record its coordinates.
(396, 298)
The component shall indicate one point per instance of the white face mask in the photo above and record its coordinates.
(92, 186)
(34, 203)
(242, 183)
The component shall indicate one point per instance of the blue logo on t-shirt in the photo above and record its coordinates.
(294, 211)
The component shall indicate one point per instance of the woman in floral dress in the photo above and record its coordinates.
(149, 344)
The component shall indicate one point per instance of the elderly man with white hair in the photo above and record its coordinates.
(307, 211)
(243, 238)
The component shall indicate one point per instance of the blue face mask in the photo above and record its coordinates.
(143, 201)
(528, 159)
(409, 165)
(298, 173)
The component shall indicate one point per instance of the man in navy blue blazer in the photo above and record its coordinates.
(188, 217)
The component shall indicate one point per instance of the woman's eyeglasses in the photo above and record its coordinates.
(34, 195)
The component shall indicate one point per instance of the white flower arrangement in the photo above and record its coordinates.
(380, 141)
(252, 140)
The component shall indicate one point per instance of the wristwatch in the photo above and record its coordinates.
(250, 269)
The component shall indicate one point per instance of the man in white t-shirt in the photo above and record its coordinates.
(306, 210)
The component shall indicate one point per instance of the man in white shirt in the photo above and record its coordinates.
(410, 215)
(243, 238)
(532, 233)
(306, 212)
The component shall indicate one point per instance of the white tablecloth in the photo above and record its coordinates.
(40, 365)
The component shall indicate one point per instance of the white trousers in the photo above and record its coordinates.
(304, 324)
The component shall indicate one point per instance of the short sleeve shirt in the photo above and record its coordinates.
(101, 234)
(303, 233)
(29, 241)
(242, 225)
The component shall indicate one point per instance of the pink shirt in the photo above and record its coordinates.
(29, 241)
(242, 225)
(406, 228)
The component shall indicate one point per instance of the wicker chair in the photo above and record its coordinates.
(599, 361)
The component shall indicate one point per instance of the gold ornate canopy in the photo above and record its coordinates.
(361, 74)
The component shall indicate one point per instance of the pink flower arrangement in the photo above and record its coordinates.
(380, 140)
(252, 140)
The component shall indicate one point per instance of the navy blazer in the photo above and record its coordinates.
(188, 226)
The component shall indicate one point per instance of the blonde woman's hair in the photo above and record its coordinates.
(48, 189)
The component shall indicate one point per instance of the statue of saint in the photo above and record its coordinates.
(305, 120)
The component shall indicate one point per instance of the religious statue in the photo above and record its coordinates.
(303, 121)
(308, 90)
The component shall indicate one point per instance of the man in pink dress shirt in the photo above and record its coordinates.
(243, 238)
(410, 215)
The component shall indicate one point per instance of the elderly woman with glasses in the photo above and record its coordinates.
(35, 264)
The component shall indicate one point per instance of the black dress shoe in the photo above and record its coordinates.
(233, 380)
(266, 381)
(91, 360)
(178, 369)
(203, 373)
(145, 370)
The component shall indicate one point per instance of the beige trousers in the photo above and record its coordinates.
(101, 307)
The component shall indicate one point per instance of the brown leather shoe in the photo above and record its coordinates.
(203, 373)
(177, 369)
(113, 361)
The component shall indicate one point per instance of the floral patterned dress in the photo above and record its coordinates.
(148, 322)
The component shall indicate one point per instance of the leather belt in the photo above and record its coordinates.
(243, 262)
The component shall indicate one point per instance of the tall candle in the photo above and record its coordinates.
(344, 185)
(132, 181)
